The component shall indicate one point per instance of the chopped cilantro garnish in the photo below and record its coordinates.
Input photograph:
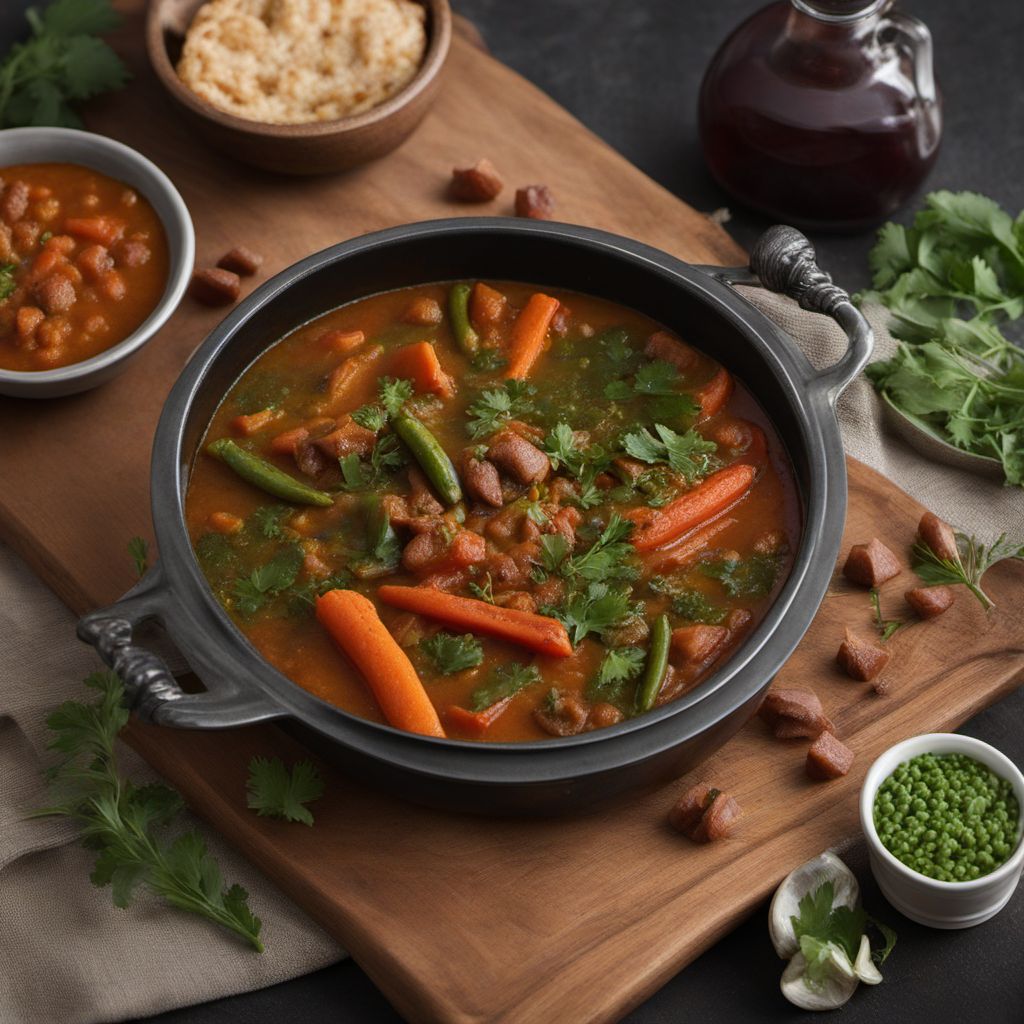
(505, 681)
(451, 654)
(496, 406)
(750, 577)
(686, 453)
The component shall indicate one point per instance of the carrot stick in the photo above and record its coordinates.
(656, 527)
(356, 628)
(286, 443)
(536, 632)
(345, 375)
(690, 547)
(420, 364)
(528, 334)
(254, 422)
(477, 722)
(713, 395)
(105, 230)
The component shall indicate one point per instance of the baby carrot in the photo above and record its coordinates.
(713, 395)
(688, 549)
(419, 363)
(656, 527)
(355, 627)
(477, 722)
(254, 422)
(536, 632)
(528, 334)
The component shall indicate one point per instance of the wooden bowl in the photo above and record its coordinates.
(319, 147)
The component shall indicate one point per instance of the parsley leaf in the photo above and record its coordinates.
(7, 283)
(619, 666)
(485, 592)
(505, 681)
(822, 921)
(451, 654)
(372, 417)
(689, 603)
(592, 609)
(123, 822)
(688, 453)
(496, 406)
(267, 520)
(750, 577)
(61, 62)
(386, 457)
(394, 394)
(656, 378)
(139, 550)
(251, 592)
(274, 792)
(488, 359)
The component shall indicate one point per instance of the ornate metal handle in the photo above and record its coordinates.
(784, 261)
(151, 690)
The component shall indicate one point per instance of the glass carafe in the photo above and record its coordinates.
(822, 112)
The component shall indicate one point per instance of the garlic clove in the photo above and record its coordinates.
(864, 966)
(804, 879)
(835, 989)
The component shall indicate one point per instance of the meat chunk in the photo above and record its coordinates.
(564, 522)
(518, 600)
(662, 345)
(860, 659)
(309, 458)
(477, 184)
(480, 478)
(434, 553)
(14, 201)
(424, 311)
(241, 260)
(348, 439)
(704, 814)
(939, 536)
(828, 758)
(95, 261)
(871, 564)
(133, 253)
(695, 644)
(561, 714)
(421, 498)
(603, 715)
(792, 713)
(523, 461)
(344, 343)
(215, 287)
(929, 602)
(486, 305)
(535, 202)
(56, 294)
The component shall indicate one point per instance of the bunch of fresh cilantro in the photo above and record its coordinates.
(61, 63)
(949, 281)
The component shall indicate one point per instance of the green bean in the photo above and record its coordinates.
(657, 664)
(265, 475)
(458, 311)
(432, 458)
(385, 549)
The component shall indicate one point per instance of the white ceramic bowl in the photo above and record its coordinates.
(927, 900)
(65, 145)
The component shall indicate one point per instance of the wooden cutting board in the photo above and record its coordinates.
(472, 920)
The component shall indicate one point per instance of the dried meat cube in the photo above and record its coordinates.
(828, 758)
(477, 184)
(860, 659)
(929, 602)
(871, 564)
(535, 202)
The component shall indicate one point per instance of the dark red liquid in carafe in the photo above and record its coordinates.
(816, 122)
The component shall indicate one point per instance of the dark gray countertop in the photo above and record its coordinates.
(630, 69)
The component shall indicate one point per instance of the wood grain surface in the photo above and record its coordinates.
(472, 920)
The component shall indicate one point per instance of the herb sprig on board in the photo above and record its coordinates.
(973, 560)
(61, 63)
(274, 791)
(126, 824)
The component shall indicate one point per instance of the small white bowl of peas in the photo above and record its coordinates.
(943, 816)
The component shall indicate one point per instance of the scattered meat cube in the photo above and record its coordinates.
(310, 460)
(348, 439)
(518, 600)
(342, 342)
(536, 202)
(939, 536)
(794, 712)
(695, 644)
(562, 714)
(213, 286)
(477, 184)
(95, 261)
(828, 758)
(486, 305)
(871, 564)
(481, 480)
(860, 659)
(523, 461)
(241, 261)
(424, 311)
(421, 498)
(929, 602)
(704, 814)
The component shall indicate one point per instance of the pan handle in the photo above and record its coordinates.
(151, 690)
(783, 260)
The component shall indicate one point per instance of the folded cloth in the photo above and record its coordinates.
(67, 954)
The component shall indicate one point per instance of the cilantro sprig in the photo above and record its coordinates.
(973, 560)
(274, 791)
(619, 667)
(126, 824)
(61, 63)
(505, 681)
(689, 453)
(7, 282)
(450, 653)
(496, 406)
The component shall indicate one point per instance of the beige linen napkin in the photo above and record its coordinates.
(67, 955)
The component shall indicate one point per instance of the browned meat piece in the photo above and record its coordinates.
(602, 715)
(930, 601)
(629, 470)
(828, 758)
(433, 553)
(633, 631)
(562, 489)
(56, 294)
(695, 644)
(133, 253)
(871, 564)
(523, 461)
(561, 714)
(738, 620)
(939, 536)
(536, 202)
(424, 311)
(504, 569)
(241, 260)
(481, 480)
(564, 522)
(348, 439)
(309, 458)
(770, 542)
(551, 591)
(215, 287)
(793, 712)
(662, 345)
(561, 320)
(860, 659)
(704, 814)
(519, 600)
(504, 525)
(477, 184)
(95, 261)
(14, 202)
(528, 529)
(421, 498)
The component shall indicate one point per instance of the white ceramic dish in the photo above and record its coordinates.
(927, 900)
(65, 145)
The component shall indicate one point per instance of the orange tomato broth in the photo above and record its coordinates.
(89, 261)
(291, 377)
